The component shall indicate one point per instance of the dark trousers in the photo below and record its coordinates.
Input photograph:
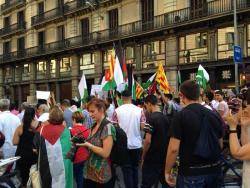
(78, 174)
(152, 175)
(203, 181)
(130, 171)
(91, 184)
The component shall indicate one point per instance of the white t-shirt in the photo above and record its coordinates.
(8, 124)
(224, 108)
(215, 104)
(44, 117)
(110, 111)
(130, 118)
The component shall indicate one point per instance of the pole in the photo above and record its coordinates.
(236, 43)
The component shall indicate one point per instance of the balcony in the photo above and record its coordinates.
(13, 29)
(46, 17)
(74, 6)
(78, 5)
(10, 5)
(162, 22)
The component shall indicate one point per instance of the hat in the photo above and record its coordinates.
(126, 93)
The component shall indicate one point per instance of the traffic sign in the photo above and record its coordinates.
(237, 54)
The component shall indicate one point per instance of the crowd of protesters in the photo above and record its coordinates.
(73, 141)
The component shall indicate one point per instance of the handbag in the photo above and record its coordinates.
(34, 175)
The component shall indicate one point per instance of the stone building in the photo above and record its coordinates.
(48, 44)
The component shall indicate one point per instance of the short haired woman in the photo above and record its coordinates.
(53, 143)
(97, 169)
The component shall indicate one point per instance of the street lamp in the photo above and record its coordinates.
(236, 43)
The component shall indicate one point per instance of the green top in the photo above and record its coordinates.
(97, 168)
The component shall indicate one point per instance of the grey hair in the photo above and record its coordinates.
(4, 104)
(44, 108)
(24, 105)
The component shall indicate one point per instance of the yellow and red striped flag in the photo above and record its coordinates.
(138, 91)
(161, 79)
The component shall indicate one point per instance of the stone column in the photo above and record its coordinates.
(212, 45)
(242, 30)
(48, 68)
(1, 83)
(171, 50)
(98, 66)
(172, 60)
(32, 79)
(75, 67)
(58, 68)
(138, 57)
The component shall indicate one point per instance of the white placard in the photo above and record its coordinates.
(42, 95)
(96, 89)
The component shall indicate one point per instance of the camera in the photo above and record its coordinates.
(78, 139)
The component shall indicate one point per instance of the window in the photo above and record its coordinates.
(7, 74)
(52, 68)
(201, 40)
(113, 22)
(17, 73)
(225, 43)
(41, 69)
(113, 18)
(65, 66)
(85, 28)
(60, 33)
(87, 63)
(147, 13)
(153, 53)
(193, 48)
(130, 55)
(26, 72)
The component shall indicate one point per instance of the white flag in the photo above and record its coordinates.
(82, 87)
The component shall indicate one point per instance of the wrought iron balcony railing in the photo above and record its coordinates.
(74, 6)
(11, 4)
(14, 28)
(47, 16)
(172, 19)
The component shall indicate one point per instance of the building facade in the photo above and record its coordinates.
(48, 44)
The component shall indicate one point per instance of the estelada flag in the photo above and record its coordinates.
(138, 91)
(161, 79)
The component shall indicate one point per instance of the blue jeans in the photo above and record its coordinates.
(203, 181)
(78, 174)
(130, 171)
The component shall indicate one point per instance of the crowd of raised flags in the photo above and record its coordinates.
(116, 78)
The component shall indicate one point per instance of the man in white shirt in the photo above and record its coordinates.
(222, 108)
(132, 120)
(8, 125)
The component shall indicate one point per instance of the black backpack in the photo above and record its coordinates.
(207, 145)
(119, 153)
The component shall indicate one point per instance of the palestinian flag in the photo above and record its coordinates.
(107, 82)
(149, 82)
(138, 90)
(56, 170)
